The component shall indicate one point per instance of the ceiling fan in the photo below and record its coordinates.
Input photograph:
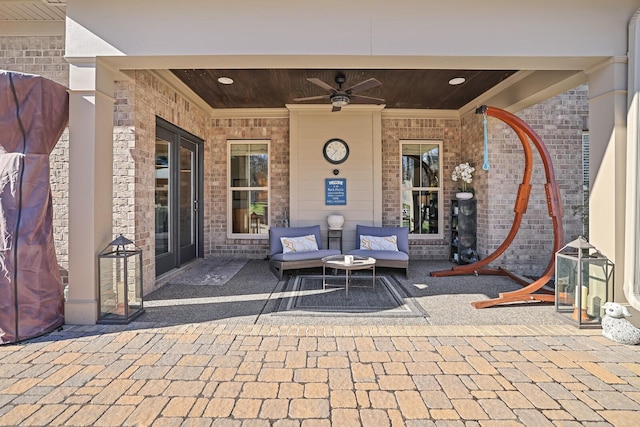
(342, 97)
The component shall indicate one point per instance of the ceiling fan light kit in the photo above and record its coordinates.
(339, 100)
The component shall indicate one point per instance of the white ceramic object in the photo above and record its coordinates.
(463, 195)
(335, 222)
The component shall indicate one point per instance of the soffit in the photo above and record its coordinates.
(32, 10)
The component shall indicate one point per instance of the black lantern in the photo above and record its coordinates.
(120, 277)
(584, 283)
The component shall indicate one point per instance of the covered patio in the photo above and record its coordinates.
(121, 85)
(385, 37)
(245, 292)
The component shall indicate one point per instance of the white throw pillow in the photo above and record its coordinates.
(299, 244)
(379, 243)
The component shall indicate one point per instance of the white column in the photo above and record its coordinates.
(607, 161)
(631, 272)
(90, 185)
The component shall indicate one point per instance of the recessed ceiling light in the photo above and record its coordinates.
(457, 81)
(225, 80)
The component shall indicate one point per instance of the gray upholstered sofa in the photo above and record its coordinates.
(385, 258)
(281, 260)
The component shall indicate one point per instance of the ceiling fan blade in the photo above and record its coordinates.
(367, 99)
(313, 98)
(334, 109)
(322, 84)
(359, 87)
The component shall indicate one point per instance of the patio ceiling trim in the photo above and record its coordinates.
(125, 62)
(527, 88)
(174, 82)
(32, 28)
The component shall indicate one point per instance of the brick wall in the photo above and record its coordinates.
(558, 121)
(394, 130)
(138, 102)
(215, 177)
(124, 167)
(43, 55)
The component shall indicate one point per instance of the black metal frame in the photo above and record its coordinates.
(176, 136)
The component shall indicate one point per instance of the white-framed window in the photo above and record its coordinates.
(421, 188)
(248, 188)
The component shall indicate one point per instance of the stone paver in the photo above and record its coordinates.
(289, 376)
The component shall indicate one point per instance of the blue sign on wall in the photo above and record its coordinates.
(335, 191)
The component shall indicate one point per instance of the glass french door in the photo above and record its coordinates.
(188, 201)
(178, 217)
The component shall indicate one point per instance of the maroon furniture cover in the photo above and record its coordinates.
(33, 114)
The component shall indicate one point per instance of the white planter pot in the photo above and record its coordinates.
(464, 195)
(335, 222)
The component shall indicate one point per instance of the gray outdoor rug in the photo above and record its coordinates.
(214, 271)
(303, 295)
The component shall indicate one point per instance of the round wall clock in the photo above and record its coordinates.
(335, 151)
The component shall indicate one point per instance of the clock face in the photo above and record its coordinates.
(335, 151)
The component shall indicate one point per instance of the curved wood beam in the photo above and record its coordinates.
(520, 207)
(554, 206)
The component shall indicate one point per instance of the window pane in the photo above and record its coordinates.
(250, 211)
(420, 211)
(162, 197)
(430, 165)
(259, 165)
(410, 164)
(249, 168)
(407, 205)
(259, 212)
(240, 212)
(187, 223)
(239, 165)
(420, 187)
(421, 164)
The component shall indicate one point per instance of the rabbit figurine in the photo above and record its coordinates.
(616, 328)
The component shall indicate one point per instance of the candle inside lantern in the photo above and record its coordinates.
(583, 297)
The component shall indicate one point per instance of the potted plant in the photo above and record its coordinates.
(464, 173)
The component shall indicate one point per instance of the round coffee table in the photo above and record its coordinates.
(337, 262)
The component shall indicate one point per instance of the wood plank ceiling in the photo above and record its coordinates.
(273, 88)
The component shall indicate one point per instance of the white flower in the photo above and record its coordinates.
(463, 172)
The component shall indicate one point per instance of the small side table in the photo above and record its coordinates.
(337, 262)
(334, 234)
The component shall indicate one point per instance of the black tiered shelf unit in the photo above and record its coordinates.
(463, 229)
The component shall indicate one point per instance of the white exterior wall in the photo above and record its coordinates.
(360, 129)
(483, 30)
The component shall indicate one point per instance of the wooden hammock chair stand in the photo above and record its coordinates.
(531, 291)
